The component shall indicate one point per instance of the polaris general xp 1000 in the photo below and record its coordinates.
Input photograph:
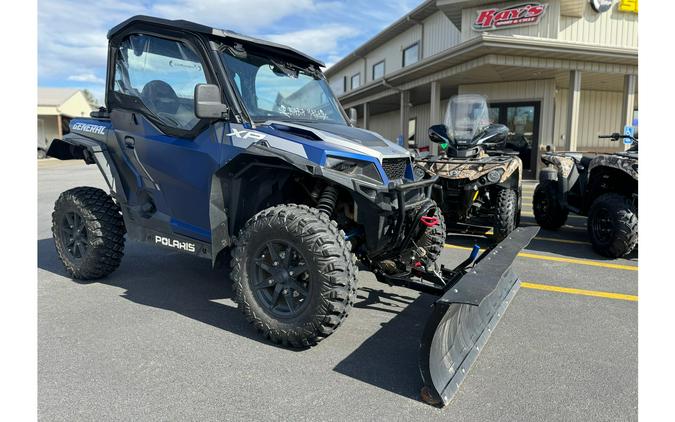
(479, 184)
(235, 149)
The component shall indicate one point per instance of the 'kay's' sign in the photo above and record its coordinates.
(509, 17)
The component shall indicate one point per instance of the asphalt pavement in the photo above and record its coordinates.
(161, 339)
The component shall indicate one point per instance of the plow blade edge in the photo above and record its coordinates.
(464, 317)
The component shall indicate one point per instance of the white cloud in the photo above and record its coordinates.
(72, 42)
(245, 15)
(86, 77)
(315, 41)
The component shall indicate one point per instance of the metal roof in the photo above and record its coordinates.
(54, 96)
(215, 32)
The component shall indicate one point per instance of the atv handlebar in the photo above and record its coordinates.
(616, 136)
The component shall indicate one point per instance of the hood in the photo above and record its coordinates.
(320, 143)
(338, 138)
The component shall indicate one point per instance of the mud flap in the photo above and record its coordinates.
(464, 317)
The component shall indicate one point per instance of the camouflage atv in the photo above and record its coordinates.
(603, 187)
(479, 185)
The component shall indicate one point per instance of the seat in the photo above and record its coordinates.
(160, 97)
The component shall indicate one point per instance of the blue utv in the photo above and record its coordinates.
(235, 149)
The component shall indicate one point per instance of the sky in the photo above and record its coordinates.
(72, 39)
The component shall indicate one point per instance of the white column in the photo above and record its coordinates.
(629, 84)
(435, 113)
(405, 112)
(366, 115)
(573, 99)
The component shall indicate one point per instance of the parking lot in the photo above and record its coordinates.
(161, 339)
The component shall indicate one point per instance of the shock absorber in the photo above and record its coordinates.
(327, 201)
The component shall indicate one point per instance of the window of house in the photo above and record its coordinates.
(337, 86)
(356, 81)
(163, 74)
(411, 54)
(378, 70)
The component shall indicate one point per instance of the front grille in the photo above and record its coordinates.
(394, 168)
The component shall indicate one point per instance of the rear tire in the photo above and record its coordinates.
(88, 231)
(310, 290)
(613, 225)
(548, 212)
(505, 214)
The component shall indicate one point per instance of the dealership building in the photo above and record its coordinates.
(558, 73)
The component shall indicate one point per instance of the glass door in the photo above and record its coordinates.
(522, 119)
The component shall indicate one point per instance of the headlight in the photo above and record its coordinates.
(354, 168)
(494, 175)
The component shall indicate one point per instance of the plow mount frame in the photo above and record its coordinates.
(473, 297)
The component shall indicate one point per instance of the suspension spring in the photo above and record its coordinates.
(327, 200)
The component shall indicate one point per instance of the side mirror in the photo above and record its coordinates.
(353, 116)
(439, 134)
(494, 134)
(208, 104)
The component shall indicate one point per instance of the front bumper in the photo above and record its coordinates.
(390, 214)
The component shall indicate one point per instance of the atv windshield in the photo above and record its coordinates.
(272, 88)
(466, 117)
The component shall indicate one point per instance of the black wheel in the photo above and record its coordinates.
(433, 238)
(88, 232)
(506, 213)
(548, 212)
(294, 274)
(613, 225)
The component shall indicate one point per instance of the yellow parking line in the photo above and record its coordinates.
(566, 260)
(553, 239)
(594, 293)
(579, 261)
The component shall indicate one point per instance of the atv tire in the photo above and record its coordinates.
(548, 212)
(88, 231)
(506, 213)
(294, 274)
(433, 238)
(613, 225)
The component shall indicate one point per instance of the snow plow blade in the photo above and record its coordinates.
(464, 317)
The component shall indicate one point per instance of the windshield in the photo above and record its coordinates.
(273, 89)
(466, 116)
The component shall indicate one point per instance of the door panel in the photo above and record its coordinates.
(171, 152)
(181, 169)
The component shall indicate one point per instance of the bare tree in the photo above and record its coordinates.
(93, 102)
